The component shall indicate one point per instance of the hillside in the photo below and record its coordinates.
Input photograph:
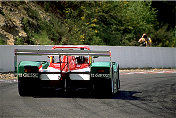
(82, 23)
(12, 18)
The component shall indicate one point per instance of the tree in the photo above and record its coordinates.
(111, 23)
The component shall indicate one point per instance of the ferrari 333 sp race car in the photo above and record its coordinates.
(68, 68)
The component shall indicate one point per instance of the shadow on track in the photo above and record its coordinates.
(126, 95)
(123, 95)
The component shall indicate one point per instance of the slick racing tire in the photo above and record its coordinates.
(23, 91)
(26, 88)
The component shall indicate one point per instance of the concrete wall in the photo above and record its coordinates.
(127, 57)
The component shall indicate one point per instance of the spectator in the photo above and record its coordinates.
(145, 41)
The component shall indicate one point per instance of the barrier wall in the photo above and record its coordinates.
(127, 57)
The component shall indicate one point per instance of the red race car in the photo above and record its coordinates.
(69, 68)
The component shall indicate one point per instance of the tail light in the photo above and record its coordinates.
(31, 69)
(101, 71)
(27, 70)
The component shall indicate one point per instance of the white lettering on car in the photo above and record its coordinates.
(33, 75)
(100, 75)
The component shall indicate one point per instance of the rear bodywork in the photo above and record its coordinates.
(67, 70)
(105, 77)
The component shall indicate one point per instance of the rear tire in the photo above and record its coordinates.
(22, 89)
(27, 87)
(102, 88)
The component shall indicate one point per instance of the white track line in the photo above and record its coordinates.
(147, 72)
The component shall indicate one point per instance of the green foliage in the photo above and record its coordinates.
(33, 13)
(41, 39)
(174, 37)
(19, 41)
(138, 18)
(1, 12)
(30, 27)
(39, 30)
(114, 23)
(2, 42)
(96, 41)
(55, 29)
(164, 38)
(96, 23)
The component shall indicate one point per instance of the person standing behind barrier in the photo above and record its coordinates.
(145, 41)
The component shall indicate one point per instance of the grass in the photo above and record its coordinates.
(2, 42)
(42, 39)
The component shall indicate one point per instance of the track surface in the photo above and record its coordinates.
(140, 96)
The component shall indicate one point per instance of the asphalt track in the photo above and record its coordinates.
(140, 96)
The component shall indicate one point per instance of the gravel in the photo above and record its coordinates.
(7, 76)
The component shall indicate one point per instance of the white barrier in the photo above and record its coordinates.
(127, 57)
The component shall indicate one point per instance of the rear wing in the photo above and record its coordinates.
(58, 52)
(62, 52)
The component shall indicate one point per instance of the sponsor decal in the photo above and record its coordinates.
(33, 75)
(100, 75)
